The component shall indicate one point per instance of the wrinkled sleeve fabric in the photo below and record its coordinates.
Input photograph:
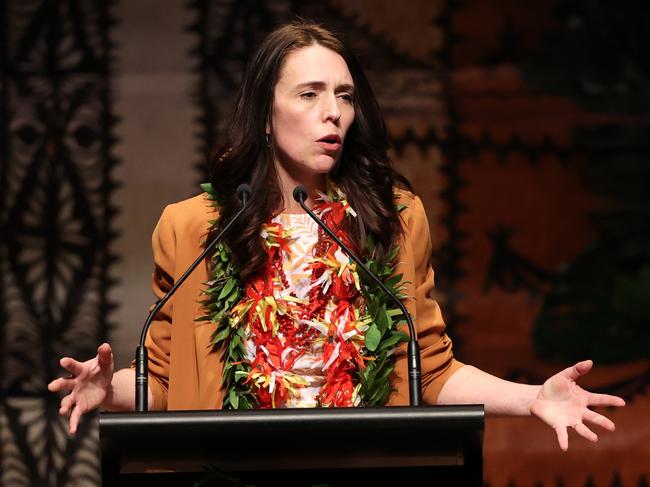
(438, 362)
(158, 340)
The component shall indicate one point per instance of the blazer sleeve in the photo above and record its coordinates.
(438, 362)
(158, 340)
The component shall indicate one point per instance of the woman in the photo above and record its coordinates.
(284, 320)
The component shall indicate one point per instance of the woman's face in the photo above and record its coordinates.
(312, 111)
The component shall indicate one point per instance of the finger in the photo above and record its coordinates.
(562, 437)
(104, 355)
(600, 420)
(581, 368)
(604, 400)
(585, 432)
(74, 419)
(66, 404)
(71, 365)
(61, 384)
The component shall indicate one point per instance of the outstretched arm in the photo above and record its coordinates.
(560, 402)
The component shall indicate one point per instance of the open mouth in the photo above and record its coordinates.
(330, 142)
(331, 139)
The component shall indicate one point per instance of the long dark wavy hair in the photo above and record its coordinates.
(364, 172)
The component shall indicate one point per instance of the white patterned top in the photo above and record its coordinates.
(309, 366)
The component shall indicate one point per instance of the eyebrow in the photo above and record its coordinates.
(321, 85)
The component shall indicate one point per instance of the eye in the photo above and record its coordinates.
(347, 97)
(308, 95)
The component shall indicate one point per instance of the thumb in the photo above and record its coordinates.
(579, 369)
(105, 355)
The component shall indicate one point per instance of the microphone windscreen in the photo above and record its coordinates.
(244, 192)
(300, 194)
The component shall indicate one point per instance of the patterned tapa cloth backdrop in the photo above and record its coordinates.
(55, 222)
(519, 160)
(541, 259)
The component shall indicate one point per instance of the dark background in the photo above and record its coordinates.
(524, 127)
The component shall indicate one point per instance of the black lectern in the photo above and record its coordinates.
(353, 446)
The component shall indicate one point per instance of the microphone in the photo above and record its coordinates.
(141, 356)
(414, 369)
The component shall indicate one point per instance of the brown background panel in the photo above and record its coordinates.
(481, 27)
(545, 208)
(410, 27)
(548, 210)
(525, 175)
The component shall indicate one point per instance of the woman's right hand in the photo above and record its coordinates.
(89, 384)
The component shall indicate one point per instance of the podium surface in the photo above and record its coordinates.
(359, 441)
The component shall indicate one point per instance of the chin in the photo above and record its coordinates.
(307, 167)
(324, 165)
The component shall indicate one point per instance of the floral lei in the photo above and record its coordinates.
(358, 332)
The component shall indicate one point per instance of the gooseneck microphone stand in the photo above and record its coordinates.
(141, 355)
(414, 369)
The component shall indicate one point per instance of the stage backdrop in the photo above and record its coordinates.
(522, 125)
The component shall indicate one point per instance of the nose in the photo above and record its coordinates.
(331, 110)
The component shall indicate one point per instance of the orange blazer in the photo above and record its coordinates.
(185, 371)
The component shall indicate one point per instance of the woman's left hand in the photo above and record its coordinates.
(562, 404)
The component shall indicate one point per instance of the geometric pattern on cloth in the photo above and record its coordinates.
(56, 187)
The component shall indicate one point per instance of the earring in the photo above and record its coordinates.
(267, 137)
